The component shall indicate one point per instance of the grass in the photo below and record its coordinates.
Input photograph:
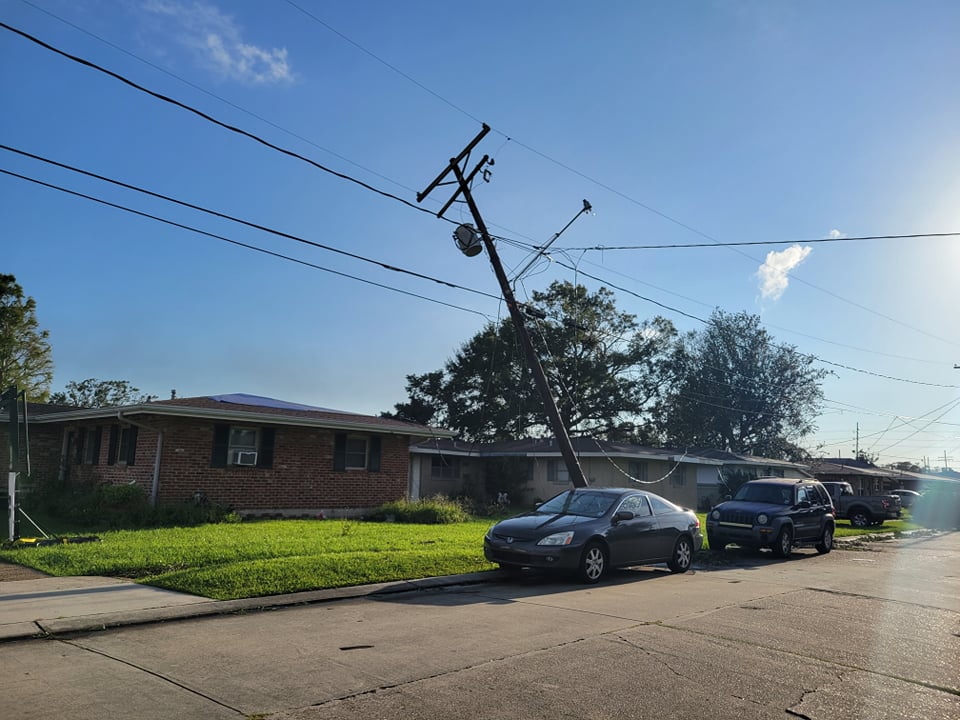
(238, 560)
(229, 561)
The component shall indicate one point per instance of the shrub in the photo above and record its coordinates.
(437, 510)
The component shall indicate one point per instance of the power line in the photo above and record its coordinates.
(708, 322)
(235, 219)
(223, 238)
(765, 242)
(211, 119)
(665, 216)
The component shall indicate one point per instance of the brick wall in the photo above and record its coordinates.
(302, 476)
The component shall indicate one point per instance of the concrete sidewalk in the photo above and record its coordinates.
(60, 605)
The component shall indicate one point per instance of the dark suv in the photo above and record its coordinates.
(776, 513)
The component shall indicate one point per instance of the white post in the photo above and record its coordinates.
(12, 504)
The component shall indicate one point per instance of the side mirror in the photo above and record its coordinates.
(623, 515)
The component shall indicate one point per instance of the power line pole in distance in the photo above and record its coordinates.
(467, 240)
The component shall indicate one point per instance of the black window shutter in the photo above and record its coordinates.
(112, 445)
(373, 461)
(265, 456)
(132, 445)
(221, 444)
(340, 451)
(97, 438)
(81, 434)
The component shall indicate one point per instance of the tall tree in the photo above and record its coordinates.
(602, 365)
(93, 393)
(25, 356)
(733, 387)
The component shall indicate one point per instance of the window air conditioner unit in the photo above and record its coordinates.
(245, 458)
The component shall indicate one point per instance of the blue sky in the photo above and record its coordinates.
(680, 122)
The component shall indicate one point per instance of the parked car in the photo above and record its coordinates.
(907, 497)
(588, 530)
(776, 513)
(862, 510)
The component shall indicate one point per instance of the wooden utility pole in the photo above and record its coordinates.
(540, 379)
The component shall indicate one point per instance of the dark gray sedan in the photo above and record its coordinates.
(591, 529)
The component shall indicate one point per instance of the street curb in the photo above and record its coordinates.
(94, 623)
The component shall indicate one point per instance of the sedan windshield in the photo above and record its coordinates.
(588, 504)
(770, 494)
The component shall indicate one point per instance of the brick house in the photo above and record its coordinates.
(256, 455)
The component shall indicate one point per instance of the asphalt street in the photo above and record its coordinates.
(869, 631)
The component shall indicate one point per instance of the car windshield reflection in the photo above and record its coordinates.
(585, 504)
(770, 494)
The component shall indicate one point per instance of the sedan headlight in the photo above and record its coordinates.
(564, 538)
(762, 519)
(715, 514)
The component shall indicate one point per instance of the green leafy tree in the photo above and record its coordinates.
(93, 393)
(734, 388)
(26, 360)
(602, 365)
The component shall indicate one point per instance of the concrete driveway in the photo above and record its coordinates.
(871, 632)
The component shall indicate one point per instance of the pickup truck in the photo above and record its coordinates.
(862, 510)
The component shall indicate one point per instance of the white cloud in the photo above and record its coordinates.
(837, 234)
(218, 43)
(773, 273)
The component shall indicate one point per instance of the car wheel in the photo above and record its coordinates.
(860, 519)
(826, 541)
(593, 563)
(784, 544)
(682, 555)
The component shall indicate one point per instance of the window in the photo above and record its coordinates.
(636, 504)
(661, 506)
(91, 446)
(122, 447)
(242, 446)
(679, 475)
(445, 468)
(637, 470)
(356, 452)
(557, 472)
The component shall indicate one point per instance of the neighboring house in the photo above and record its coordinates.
(253, 454)
(713, 475)
(868, 479)
(451, 467)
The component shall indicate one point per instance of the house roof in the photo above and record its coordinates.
(730, 458)
(848, 467)
(250, 409)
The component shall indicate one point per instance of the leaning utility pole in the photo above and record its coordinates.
(9, 401)
(467, 240)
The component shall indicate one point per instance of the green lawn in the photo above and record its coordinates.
(237, 560)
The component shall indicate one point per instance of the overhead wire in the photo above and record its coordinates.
(223, 238)
(812, 241)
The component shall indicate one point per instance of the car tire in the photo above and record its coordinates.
(860, 518)
(593, 563)
(826, 541)
(682, 555)
(783, 546)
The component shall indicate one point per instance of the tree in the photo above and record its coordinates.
(26, 360)
(601, 364)
(733, 388)
(93, 393)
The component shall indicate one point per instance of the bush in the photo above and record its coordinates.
(436, 510)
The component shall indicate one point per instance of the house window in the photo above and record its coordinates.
(637, 470)
(356, 452)
(557, 472)
(122, 448)
(679, 476)
(91, 446)
(445, 468)
(242, 446)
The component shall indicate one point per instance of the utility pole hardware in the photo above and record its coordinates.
(466, 238)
